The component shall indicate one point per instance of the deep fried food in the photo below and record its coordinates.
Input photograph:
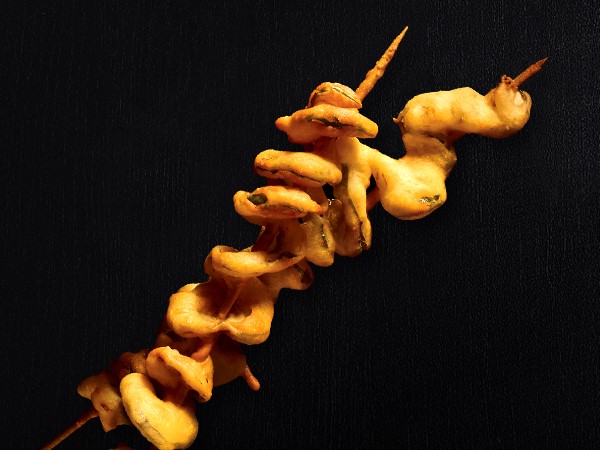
(299, 168)
(165, 424)
(198, 346)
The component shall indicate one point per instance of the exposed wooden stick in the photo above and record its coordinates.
(82, 420)
(250, 379)
(528, 73)
(376, 72)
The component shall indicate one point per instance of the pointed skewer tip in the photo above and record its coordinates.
(377, 71)
(528, 73)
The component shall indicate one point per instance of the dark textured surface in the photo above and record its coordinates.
(128, 126)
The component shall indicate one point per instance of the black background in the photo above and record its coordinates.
(128, 126)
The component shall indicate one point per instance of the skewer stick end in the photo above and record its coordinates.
(528, 73)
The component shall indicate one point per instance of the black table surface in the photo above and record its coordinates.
(128, 126)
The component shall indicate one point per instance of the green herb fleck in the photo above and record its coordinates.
(257, 199)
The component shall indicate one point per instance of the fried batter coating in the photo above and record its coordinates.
(195, 314)
(335, 94)
(307, 125)
(300, 168)
(198, 345)
(127, 363)
(165, 424)
(414, 186)
(430, 124)
(106, 399)
(288, 249)
(320, 241)
(172, 369)
(297, 277)
(274, 203)
(166, 337)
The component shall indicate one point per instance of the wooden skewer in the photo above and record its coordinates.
(528, 73)
(250, 379)
(376, 72)
(81, 420)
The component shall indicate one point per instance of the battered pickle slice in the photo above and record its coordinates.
(196, 313)
(274, 203)
(174, 370)
(320, 243)
(288, 248)
(165, 424)
(199, 342)
(335, 94)
(300, 168)
(307, 125)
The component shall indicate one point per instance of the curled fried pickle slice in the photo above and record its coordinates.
(355, 160)
(320, 242)
(300, 168)
(252, 264)
(297, 277)
(287, 249)
(172, 369)
(167, 425)
(335, 94)
(307, 125)
(196, 313)
(270, 203)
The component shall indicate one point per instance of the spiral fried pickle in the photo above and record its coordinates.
(199, 343)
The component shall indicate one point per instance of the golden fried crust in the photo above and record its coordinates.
(414, 186)
(196, 313)
(270, 203)
(287, 248)
(298, 277)
(409, 194)
(320, 243)
(106, 399)
(252, 264)
(307, 125)
(167, 425)
(334, 94)
(172, 369)
(355, 160)
(300, 168)
(198, 344)
(447, 115)
(166, 337)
